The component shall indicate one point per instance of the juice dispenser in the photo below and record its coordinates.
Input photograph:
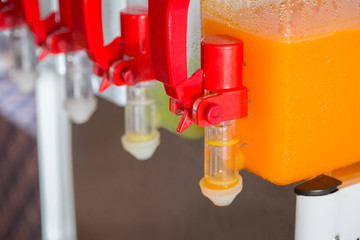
(22, 60)
(52, 29)
(126, 61)
(299, 66)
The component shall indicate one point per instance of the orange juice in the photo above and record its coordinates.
(304, 115)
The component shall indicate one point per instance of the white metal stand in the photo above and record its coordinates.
(55, 161)
(335, 216)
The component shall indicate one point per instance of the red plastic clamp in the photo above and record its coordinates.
(135, 64)
(126, 60)
(214, 93)
(87, 27)
(52, 33)
(11, 14)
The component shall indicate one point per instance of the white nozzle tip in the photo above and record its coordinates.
(222, 198)
(80, 110)
(24, 80)
(141, 150)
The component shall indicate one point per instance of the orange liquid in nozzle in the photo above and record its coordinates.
(305, 101)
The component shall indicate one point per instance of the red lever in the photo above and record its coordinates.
(41, 28)
(52, 33)
(11, 14)
(127, 59)
(168, 31)
(88, 31)
(135, 65)
(220, 78)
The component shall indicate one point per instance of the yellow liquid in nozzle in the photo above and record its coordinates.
(305, 101)
(227, 177)
(220, 183)
(140, 137)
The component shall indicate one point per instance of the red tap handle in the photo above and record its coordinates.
(52, 33)
(41, 28)
(137, 66)
(221, 72)
(63, 39)
(88, 30)
(11, 14)
(168, 32)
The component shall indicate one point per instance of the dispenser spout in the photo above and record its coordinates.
(80, 103)
(222, 182)
(213, 97)
(141, 137)
(24, 71)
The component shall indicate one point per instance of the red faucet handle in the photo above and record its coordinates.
(41, 28)
(129, 72)
(61, 41)
(217, 108)
(226, 98)
(87, 26)
(11, 14)
(134, 44)
(168, 33)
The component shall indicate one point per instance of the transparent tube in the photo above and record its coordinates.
(24, 72)
(6, 55)
(221, 156)
(140, 112)
(80, 100)
(78, 75)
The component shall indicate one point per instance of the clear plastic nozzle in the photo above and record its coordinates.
(24, 71)
(141, 136)
(80, 101)
(222, 182)
(6, 55)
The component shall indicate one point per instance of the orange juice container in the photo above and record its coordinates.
(303, 71)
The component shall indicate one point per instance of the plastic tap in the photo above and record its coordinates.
(6, 56)
(213, 97)
(54, 34)
(80, 103)
(23, 70)
(125, 61)
(141, 136)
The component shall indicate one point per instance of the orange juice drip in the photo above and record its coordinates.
(305, 103)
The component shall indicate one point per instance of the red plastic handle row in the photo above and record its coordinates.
(168, 32)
